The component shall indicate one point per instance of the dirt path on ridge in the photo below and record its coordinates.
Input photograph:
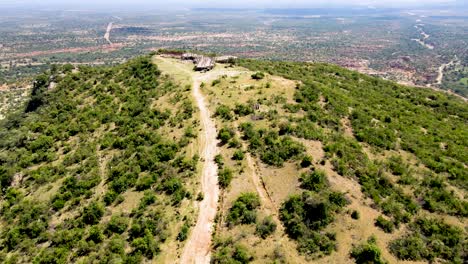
(198, 247)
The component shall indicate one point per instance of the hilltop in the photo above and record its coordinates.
(252, 162)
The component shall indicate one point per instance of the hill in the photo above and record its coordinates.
(314, 163)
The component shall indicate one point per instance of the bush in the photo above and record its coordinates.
(314, 180)
(223, 112)
(225, 177)
(431, 239)
(183, 234)
(238, 155)
(367, 253)
(355, 215)
(228, 252)
(258, 76)
(110, 197)
(147, 199)
(95, 234)
(386, 225)
(117, 224)
(5, 179)
(243, 110)
(306, 161)
(219, 160)
(216, 82)
(305, 215)
(225, 134)
(243, 211)
(266, 227)
(92, 213)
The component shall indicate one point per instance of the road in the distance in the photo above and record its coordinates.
(107, 35)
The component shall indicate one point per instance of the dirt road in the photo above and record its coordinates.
(198, 247)
(440, 72)
(107, 35)
(425, 36)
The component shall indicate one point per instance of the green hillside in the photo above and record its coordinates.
(88, 169)
(103, 166)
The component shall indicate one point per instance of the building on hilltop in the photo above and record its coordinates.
(190, 56)
(205, 64)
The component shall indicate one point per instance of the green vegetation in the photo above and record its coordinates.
(243, 211)
(385, 117)
(431, 239)
(225, 176)
(224, 112)
(367, 253)
(76, 154)
(272, 148)
(385, 224)
(314, 180)
(258, 76)
(97, 128)
(266, 227)
(306, 215)
(229, 252)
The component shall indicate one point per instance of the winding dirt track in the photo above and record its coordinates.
(108, 31)
(198, 247)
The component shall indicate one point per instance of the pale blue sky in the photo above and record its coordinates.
(235, 3)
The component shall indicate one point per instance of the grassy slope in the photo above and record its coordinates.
(395, 151)
(105, 128)
(100, 168)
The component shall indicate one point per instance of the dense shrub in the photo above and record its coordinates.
(305, 215)
(258, 76)
(225, 177)
(367, 253)
(243, 211)
(314, 180)
(117, 224)
(183, 234)
(226, 251)
(92, 213)
(238, 155)
(225, 134)
(306, 161)
(243, 110)
(386, 225)
(266, 227)
(223, 112)
(430, 239)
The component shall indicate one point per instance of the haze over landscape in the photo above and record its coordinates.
(229, 132)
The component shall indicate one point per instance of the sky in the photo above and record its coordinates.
(231, 3)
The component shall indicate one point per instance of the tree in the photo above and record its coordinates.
(266, 227)
(92, 213)
(258, 76)
(367, 253)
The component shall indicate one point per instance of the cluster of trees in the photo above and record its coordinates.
(228, 251)
(244, 209)
(90, 113)
(431, 239)
(272, 148)
(382, 111)
(306, 215)
(431, 126)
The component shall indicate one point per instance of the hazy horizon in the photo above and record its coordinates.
(142, 4)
